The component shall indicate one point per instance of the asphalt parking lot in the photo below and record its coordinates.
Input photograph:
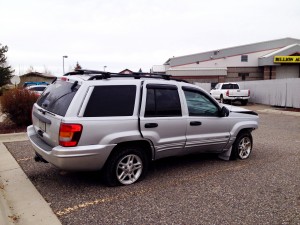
(201, 189)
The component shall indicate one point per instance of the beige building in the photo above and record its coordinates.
(275, 59)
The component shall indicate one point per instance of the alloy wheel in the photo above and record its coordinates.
(244, 147)
(129, 169)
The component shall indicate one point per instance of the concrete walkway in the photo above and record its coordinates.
(20, 202)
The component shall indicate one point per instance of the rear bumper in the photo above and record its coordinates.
(233, 98)
(79, 158)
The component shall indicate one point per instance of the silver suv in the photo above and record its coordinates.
(93, 120)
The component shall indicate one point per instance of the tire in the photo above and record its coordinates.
(127, 165)
(244, 102)
(242, 147)
(221, 99)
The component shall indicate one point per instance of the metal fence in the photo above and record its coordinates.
(280, 92)
(205, 86)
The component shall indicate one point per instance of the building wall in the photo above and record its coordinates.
(269, 72)
(288, 71)
(235, 73)
(235, 70)
(201, 79)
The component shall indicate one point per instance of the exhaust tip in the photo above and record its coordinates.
(38, 158)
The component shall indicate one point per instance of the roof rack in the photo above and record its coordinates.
(101, 75)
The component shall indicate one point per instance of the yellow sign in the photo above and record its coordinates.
(286, 59)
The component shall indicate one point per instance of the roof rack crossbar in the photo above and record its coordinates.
(105, 75)
(101, 75)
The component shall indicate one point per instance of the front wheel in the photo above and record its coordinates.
(242, 147)
(125, 166)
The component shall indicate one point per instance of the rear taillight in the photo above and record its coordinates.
(69, 134)
(227, 93)
(248, 92)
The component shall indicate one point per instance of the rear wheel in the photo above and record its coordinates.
(125, 166)
(221, 99)
(242, 147)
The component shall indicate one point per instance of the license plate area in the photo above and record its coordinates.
(42, 126)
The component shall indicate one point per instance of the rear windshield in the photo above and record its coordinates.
(58, 97)
(38, 88)
(230, 86)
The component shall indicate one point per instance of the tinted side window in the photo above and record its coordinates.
(199, 104)
(58, 97)
(115, 100)
(162, 102)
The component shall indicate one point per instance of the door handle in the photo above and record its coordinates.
(195, 123)
(151, 125)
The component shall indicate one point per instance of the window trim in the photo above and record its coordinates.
(162, 86)
(86, 100)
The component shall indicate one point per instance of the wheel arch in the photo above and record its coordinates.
(243, 126)
(245, 130)
(141, 150)
(143, 144)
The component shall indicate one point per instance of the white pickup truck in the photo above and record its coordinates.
(230, 92)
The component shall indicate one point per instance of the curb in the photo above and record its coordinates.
(20, 202)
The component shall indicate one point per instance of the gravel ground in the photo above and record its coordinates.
(201, 189)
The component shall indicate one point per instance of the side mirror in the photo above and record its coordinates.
(224, 112)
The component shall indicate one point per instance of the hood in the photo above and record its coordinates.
(237, 109)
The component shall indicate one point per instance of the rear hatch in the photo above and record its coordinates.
(50, 109)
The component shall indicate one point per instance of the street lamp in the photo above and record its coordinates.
(65, 56)
(104, 68)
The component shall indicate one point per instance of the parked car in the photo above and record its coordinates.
(230, 92)
(92, 120)
(38, 89)
(31, 83)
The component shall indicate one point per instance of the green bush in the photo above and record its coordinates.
(17, 105)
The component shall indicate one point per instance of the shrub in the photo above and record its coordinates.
(17, 105)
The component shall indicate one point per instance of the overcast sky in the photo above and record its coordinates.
(135, 34)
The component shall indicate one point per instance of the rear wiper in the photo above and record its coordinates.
(74, 85)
